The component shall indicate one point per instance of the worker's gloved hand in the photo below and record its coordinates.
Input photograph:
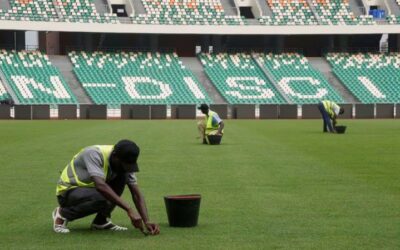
(153, 228)
(136, 220)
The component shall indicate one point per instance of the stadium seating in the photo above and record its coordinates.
(30, 10)
(239, 79)
(337, 12)
(83, 11)
(298, 79)
(137, 78)
(289, 12)
(34, 79)
(372, 78)
(185, 12)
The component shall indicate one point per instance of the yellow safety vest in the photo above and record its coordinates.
(69, 179)
(209, 125)
(329, 105)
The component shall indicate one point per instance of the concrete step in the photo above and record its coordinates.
(101, 6)
(265, 9)
(323, 66)
(194, 64)
(229, 7)
(138, 6)
(8, 88)
(66, 68)
(4, 5)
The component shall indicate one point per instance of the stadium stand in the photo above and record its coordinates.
(83, 11)
(337, 12)
(372, 78)
(185, 12)
(33, 78)
(289, 12)
(30, 10)
(137, 78)
(239, 79)
(298, 79)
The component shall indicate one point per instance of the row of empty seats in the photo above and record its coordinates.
(161, 78)
(300, 82)
(337, 12)
(239, 79)
(190, 12)
(186, 12)
(34, 79)
(289, 12)
(372, 78)
(137, 78)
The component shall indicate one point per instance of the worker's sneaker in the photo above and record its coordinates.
(57, 218)
(108, 226)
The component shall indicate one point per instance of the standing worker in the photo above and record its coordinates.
(211, 125)
(93, 182)
(329, 111)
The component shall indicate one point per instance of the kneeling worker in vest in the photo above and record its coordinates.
(329, 111)
(93, 182)
(211, 125)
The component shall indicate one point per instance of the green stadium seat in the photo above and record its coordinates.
(34, 79)
(3, 92)
(186, 12)
(137, 78)
(372, 78)
(299, 80)
(239, 79)
(289, 12)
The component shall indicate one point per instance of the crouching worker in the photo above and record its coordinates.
(93, 182)
(329, 111)
(211, 125)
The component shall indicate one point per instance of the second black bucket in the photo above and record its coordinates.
(183, 210)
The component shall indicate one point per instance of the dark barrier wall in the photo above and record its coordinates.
(269, 111)
(67, 111)
(5, 111)
(364, 111)
(135, 112)
(158, 112)
(221, 109)
(244, 111)
(183, 112)
(89, 111)
(398, 111)
(40, 112)
(348, 111)
(288, 111)
(310, 111)
(384, 110)
(22, 112)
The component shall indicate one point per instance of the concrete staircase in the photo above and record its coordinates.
(194, 64)
(357, 7)
(394, 7)
(229, 7)
(65, 66)
(138, 6)
(8, 88)
(101, 6)
(265, 9)
(314, 11)
(323, 66)
(4, 5)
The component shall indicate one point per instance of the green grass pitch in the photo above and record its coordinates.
(270, 185)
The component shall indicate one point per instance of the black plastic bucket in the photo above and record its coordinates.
(214, 139)
(340, 129)
(183, 210)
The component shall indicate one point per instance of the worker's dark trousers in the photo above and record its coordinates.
(81, 202)
(325, 118)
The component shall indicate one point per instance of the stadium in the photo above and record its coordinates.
(75, 73)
